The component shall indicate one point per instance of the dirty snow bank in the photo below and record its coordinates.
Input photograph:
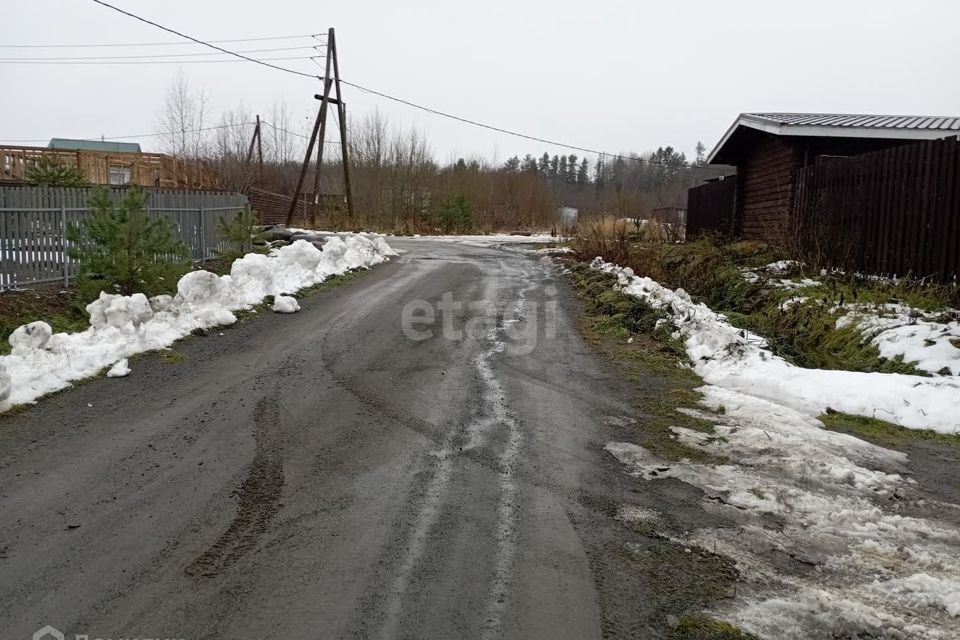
(823, 527)
(735, 359)
(120, 326)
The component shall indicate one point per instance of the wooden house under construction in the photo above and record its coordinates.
(108, 163)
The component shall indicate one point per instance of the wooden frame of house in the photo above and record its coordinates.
(109, 164)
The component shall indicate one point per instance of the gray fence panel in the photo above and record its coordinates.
(33, 223)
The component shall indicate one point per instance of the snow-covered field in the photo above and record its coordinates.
(121, 326)
(833, 507)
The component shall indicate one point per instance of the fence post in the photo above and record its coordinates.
(63, 245)
(203, 237)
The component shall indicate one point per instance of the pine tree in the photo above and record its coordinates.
(239, 231)
(583, 173)
(599, 173)
(49, 171)
(554, 165)
(119, 248)
(571, 174)
(529, 164)
(456, 213)
(512, 165)
(562, 169)
(543, 165)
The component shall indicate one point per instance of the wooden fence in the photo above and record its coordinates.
(272, 207)
(894, 212)
(33, 223)
(710, 207)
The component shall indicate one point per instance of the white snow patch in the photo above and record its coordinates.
(120, 369)
(555, 251)
(121, 326)
(920, 338)
(286, 304)
(735, 359)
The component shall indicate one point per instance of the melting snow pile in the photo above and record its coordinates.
(286, 304)
(120, 326)
(736, 359)
(823, 527)
(920, 338)
(832, 540)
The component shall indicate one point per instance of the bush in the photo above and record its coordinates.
(455, 213)
(49, 171)
(120, 249)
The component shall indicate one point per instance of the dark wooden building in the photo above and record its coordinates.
(770, 150)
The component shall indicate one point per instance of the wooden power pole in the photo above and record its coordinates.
(319, 129)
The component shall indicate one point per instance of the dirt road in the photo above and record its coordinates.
(352, 471)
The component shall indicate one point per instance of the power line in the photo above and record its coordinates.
(146, 135)
(293, 133)
(158, 55)
(408, 103)
(201, 42)
(151, 44)
(96, 62)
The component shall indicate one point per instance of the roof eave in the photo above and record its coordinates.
(743, 120)
(821, 131)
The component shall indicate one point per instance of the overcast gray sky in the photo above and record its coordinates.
(617, 76)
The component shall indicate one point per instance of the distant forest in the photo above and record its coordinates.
(398, 184)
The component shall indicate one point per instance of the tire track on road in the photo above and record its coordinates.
(258, 498)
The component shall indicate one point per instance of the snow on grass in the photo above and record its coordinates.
(121, 326)
(556, 251)
(831, 538)
(919, 337)
(818, 529)
(735, 359)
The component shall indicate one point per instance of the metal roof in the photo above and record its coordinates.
(94, 145)
(940, 123)
(841, 125)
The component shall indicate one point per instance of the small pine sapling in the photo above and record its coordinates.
(49, 171)
(119, 248)
(240, 232)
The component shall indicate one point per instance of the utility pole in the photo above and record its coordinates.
(341, 109)
(255, 139)
(259, 153)
(319, 129)
(325, 98)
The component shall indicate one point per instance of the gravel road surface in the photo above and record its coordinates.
(329, 474)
